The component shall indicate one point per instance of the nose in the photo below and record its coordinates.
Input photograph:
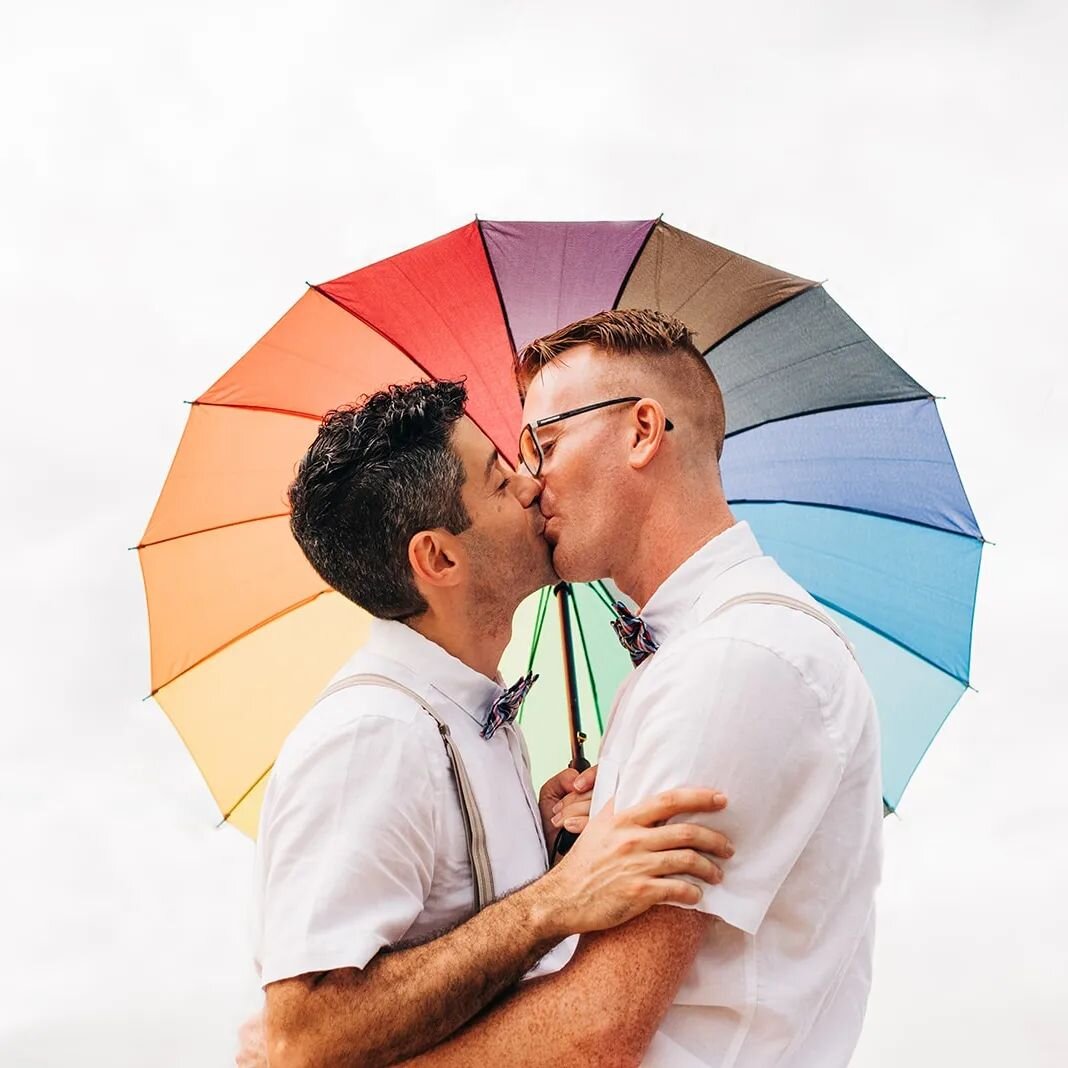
(527, 488)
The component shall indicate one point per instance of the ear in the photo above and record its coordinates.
(435, 558)
(648, 424)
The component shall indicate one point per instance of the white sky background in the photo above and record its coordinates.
(168, 181)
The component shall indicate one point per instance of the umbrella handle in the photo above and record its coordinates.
(565, 839)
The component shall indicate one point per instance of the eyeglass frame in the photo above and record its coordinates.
(534, 427)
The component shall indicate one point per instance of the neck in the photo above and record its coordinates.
(477, 640)
(678, 524)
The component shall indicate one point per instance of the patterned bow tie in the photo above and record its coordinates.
(505, 708)
(633, 634)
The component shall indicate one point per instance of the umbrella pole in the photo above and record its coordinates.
(566, 839)
(578, 758)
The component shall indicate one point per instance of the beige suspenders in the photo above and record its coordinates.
(785, 602)
(473, 826)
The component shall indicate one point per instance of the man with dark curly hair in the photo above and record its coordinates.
(402, 879)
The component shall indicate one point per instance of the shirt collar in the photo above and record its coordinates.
(668, 610)
(431, 664)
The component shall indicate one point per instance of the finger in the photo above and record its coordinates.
(571, 799)
(559, 785)
(576, 824)
(687, 836)
(566, 818)
(687, 862)
(677, 892)
(586, 780)
(576, 806)
(673, 802)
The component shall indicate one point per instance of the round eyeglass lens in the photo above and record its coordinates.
(528, 451)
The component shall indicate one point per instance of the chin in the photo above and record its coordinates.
(571, 567)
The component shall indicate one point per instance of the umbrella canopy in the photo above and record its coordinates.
(834, 454)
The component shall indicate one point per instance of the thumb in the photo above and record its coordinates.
(566, 779)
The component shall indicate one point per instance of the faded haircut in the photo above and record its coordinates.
(378, 472)
(641, 334)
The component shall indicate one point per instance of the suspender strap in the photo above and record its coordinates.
(472, 817)
(786, 602)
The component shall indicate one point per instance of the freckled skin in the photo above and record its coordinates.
(601, 1011)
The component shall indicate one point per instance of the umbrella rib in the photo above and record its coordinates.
(885, 635)
(828, 408)
(760, 314)
(400, 348)
(858, 511)
(496, 285)
(236, 804)
(239, 637)
(539, 621)
(637, 256)
(598, 587)
(589, 665)
(208, 530)
(815, 356)
(257, 408)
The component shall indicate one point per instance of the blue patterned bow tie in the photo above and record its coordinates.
(633, 634)
(505, 708)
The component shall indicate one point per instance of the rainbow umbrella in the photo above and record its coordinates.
(834, 454)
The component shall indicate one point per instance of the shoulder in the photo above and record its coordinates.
(707, 659)
(706, 691)
(756, 633)
(358, 721)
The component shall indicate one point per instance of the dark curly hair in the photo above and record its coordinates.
(378, 472)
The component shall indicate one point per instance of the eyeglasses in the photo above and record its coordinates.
(530, 450)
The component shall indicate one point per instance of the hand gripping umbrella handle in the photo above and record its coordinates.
(565, 839)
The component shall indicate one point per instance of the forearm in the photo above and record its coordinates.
(601, 1011)
(533, 1028)
(408, 1000)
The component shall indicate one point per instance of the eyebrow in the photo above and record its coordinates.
(494, 457)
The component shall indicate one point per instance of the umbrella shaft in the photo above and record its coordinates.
(578, 759)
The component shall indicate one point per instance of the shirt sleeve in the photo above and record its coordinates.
(348, 847)
(735, 716)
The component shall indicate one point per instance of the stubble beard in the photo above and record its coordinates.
(500, 586)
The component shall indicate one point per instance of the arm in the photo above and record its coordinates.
(758, 729)
(601, 1010)
(407, 1000)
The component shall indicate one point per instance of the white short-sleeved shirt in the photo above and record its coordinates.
(767, 704)
(361, 841)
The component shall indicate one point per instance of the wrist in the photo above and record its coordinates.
(543, 912)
